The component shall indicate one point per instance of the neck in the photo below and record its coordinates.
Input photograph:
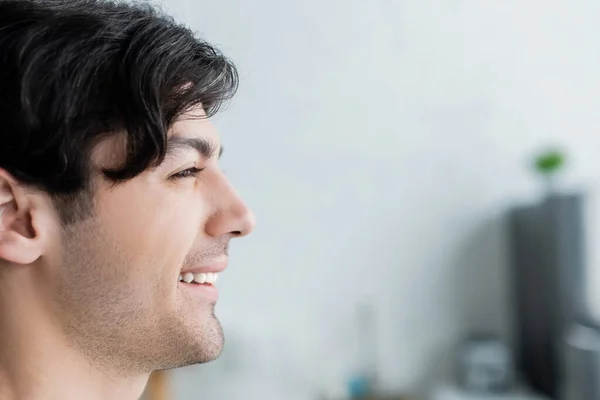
(37, 362)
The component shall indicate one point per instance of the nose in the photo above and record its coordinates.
(231, 215)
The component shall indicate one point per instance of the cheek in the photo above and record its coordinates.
(165, 238)
(170, 240)
(157, 226)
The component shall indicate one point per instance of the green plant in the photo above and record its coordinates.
(549, 162)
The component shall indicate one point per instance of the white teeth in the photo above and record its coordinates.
(200, 277)
(210, 278)
(188, 277)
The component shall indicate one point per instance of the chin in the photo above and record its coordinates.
(207, 343)
(187, 341)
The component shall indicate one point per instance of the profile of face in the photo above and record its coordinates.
(112, 281)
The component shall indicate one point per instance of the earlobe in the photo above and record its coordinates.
(19, 242)
(17, 249)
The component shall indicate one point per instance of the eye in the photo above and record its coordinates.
(187, 173)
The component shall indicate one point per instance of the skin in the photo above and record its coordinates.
(90, 309)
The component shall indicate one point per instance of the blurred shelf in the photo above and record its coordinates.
(450, 392)
(385, 397)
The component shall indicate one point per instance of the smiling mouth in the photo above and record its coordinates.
(208, 278)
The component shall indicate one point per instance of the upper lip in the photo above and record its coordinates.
(216, 266)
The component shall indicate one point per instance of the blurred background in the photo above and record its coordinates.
(407, 241)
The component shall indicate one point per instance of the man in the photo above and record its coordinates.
(115, 218)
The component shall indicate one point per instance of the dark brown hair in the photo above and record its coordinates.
(72, 72)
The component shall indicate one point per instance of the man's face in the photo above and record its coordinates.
(115, 283)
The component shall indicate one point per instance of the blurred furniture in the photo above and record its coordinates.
(452, 392)
(582, 361)
(486, 365)
(385, 397)
(548, 260)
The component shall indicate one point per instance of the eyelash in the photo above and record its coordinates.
(187, 173)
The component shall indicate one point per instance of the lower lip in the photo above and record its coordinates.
(209, 292)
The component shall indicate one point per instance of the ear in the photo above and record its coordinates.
(21, 211)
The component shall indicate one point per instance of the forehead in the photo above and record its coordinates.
(111, 151)
(194, 124)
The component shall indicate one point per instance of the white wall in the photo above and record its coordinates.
(379, 143)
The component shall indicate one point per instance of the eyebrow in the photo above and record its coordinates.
(205, 147)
